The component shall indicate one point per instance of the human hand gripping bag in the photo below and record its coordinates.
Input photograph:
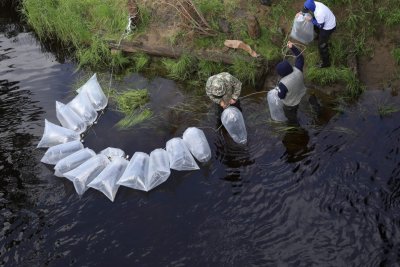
(302, 29)
(275, 106)
(69, 119)
(55, 135)
(233, 121)
(96, 95)
(83, 107)
(106, 181)
(82, 175)
(179, 156)
(159, 170)
(135, 174)
(72, 161)
(56, 153)
(196, 142)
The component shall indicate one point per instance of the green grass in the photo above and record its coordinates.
(180, 69)
(134, 119)
(81, 24)
(246, 72)
(130, 100)
(396, 55)
(387, 110)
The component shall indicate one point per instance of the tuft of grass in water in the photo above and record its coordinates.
(83, 25)
(180, 69)
(387, 110)
(131, 100)
(245, 71)
(135, 118)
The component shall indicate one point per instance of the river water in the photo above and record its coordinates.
(325, 193)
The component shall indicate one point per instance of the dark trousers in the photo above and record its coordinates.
(323, 45)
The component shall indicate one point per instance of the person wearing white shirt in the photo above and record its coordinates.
(325, 24)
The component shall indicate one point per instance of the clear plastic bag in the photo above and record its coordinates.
(232, 119)
(55, 135)
(196, 142)
(69, 119)
(96, 95)
(179, 156)
(135, 174)
(159, 170)
(83, 107)
(72, 161)
(302, 29)
(82, 175)
(106, 181)
(113, 152)
(275, 106)
(56, 153)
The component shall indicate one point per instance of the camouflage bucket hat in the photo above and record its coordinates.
(218, 87)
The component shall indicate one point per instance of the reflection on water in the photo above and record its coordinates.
(323, 192)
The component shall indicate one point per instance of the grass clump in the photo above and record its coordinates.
(246, 72)
(84, 25)
(396, 55)
(135, 118)
(140, 61)
(132, 104)
(180, 69)
(387, 110)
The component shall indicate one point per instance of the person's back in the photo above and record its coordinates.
(324, 16)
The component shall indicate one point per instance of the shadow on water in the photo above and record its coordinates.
(322, 192)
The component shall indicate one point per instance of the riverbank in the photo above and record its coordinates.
(364, 49)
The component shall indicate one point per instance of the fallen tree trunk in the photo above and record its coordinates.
(176, 52)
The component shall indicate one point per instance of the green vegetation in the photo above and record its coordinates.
(132, 104)
(387, 110)
(396, 55)
(82, 25)
(180, 69)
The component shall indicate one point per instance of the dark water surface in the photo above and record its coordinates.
(326, 193)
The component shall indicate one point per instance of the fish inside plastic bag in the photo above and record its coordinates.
(55, 135)
(197, 144)
(179, 156)
(302, 29)
(113, 152)
(56, 153)
(82, 175)
(135, 174)
(83, 107)
(233, 121)
(275, 106)
(106, 181)
(72, 161)
(69, 119)
(96, 95)
(159, 170)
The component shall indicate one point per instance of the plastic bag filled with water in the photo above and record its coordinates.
(196, 142)
(232, 119)
(82, 175)
(96, 95)
(56, 153)
(72, 161)
(179, 156)
(106, 181)
(275, 106)
(69, 119)
(83, 107)
(302, 29)
(113, 152)
(135, 175)
(55, 135)
(159, 170)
